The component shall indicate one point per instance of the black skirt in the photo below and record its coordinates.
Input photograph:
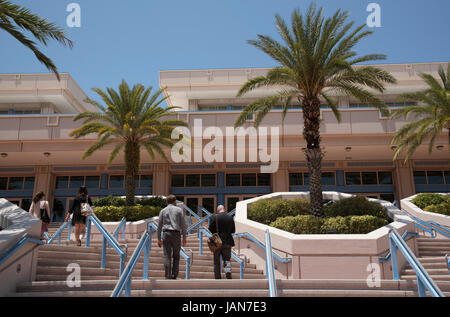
(77, 218)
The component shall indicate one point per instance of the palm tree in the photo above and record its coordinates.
(433, 115)
(316, 58)
(131, 119)
(14, 19)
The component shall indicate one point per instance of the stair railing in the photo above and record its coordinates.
(431, 227)
(25, 239)
(58, 233)
(125, 278)
(424, 281)
(207, 233)
(152, 227)
(386, 258)
(122, 225)
(270, 268)
(191, 214)
(107, 239)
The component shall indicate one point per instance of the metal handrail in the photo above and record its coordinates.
(386, 258)
(126, 276)
(122, 225)
(433, 227)
(207, 233)
(232, 213)
(107, 239)
(65, 225)
(18, 245)
(270, 269)
(262, 246)
(153, 227)
(447, 260)
(423, 279)
(191, 213)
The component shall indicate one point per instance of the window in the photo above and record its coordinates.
(116, 181)
(29, 183)
(92, 182)
(369, 178)
(178, 180)
(76, 182)
(328, 178)
(62, 182)
(435, 177)
(146, 181)
(264, 179)
(420, 177)
(295, 179)
(387, 197)
(353, 178)
(15, 183)
(233, 180)
(248, 179)
(431, 177)
(385, 178)
(208, 180)
(193, 180)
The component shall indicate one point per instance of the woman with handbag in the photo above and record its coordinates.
(39, 208)
(81, 203)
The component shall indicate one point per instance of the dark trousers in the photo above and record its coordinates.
(171, 249)
(225, 252)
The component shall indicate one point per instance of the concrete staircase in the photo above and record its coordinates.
(432, 257)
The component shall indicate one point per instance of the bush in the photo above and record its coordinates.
(443, 208)
(157, 201)
(131, 213)
(355, 206)
(301, 224)
(109, 201)
(335, 225)
(268, 210)
(424, 200)
(365, 224)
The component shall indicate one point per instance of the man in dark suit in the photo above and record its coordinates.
(225, 229)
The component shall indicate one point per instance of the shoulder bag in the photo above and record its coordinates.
(215, 243)
(86, 209)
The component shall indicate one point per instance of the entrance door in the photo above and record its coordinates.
(231, 200)
(207, 202)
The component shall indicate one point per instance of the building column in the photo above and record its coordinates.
(161, 179)
(43, 182)
(280, 179)
(403, 179)
(220, 184)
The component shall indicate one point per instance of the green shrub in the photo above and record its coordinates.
(335, 225)
(443, 208)
(427, 199)
(109, 201)
(355, 206)
(131, 213)
(268, 210)
(156, 201)
(365, 224)
(301, 224)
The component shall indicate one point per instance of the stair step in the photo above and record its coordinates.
(433, 277)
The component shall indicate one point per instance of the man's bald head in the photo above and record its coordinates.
(220, 208)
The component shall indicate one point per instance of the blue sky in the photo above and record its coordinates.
(134, 39)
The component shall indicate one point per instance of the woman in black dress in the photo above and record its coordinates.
(78, 220)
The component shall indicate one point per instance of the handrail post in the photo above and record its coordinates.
(200, 242)
(104, 253)
(420, 287)
(128, 287)
(69, 229)
(148, 246)
(122, 260)
(123, 231)
(270, 270)
(88, 231)
(394, 260)
(59, 238)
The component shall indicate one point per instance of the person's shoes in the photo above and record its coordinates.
(228, 276)
(173, 278)
(79, 243)
(218, 277)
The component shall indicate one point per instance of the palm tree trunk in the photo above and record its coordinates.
(132, 162)
(313, 152)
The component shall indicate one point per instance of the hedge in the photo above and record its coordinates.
(443, 208)
(427, 199)
(268, 210)
(131, 213)
(156, 201)
(355, 206)
(306, 224)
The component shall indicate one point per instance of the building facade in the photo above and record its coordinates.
(37, 153)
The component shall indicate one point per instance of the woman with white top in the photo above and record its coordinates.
(40, 209)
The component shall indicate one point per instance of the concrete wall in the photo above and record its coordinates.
(21, 267)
